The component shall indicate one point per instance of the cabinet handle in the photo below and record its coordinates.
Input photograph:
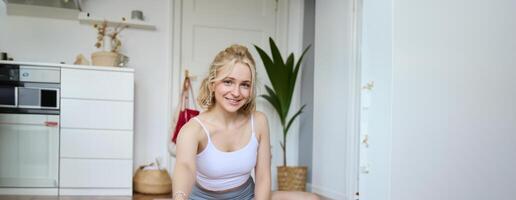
(51, 124)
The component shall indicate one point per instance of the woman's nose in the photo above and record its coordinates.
(235, 91)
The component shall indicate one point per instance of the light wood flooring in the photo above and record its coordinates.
(134, 197)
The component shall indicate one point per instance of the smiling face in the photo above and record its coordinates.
(232, 90)
(230, 84)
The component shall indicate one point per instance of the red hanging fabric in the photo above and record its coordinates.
(186, 112)
(184, 116)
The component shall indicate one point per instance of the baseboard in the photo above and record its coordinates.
(309, 187)
(329, 193)
(29, 191)
(96, 192)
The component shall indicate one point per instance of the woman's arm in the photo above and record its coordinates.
(262, 170)
(184, 170)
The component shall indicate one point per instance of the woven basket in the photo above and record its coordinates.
(292, 178)
(152, 181)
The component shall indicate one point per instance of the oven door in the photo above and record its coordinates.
(38, 98)
(29, 150)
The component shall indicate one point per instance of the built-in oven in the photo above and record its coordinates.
(9, 72)
(29, 127)
(29, 89)
(9, 81)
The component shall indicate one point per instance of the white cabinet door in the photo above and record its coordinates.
(77, 143)
(96, 173)
(91, 84)
(92, 114)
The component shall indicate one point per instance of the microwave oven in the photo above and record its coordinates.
(29, 88)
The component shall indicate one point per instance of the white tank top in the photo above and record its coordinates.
(218, 170)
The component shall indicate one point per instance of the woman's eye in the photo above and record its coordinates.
(245, 86)
(227, 82)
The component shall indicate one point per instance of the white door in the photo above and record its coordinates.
(208, 26)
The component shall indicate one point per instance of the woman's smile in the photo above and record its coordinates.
(232, 101)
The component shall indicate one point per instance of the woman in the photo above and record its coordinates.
(218, 149)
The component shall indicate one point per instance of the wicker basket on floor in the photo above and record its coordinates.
(152, 181)
(292, 178)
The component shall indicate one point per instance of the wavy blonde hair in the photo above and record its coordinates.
(222, 65)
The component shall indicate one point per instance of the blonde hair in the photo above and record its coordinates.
(223, 64)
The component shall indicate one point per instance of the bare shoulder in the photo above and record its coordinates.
(188, 142)
(191, 130)
(260, 116)
(261, 123)
(260, 119)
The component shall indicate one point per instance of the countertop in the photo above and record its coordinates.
(91, 67)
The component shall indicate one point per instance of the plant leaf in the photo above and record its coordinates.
(274, 71)
(272, 101)
(267, 63)
(298, 64)
(276, 55)
(272, 98)
(293, 118)
(293, 77)
(289, 65)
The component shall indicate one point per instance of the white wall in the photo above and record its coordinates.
(53, 41)
(332, 81)
(376, 104)
(454, 118)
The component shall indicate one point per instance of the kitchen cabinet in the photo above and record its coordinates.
(96, 156)
(109, 144)
(96, 114)
(85, 147)
(96, 84)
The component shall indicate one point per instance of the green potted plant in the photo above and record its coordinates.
(283, 75)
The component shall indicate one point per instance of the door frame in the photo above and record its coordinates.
(353, 139)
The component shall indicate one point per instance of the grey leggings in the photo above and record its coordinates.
(243, 192)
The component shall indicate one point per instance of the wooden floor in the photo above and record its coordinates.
(134, 197)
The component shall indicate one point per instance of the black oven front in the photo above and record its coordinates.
(29, 89)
